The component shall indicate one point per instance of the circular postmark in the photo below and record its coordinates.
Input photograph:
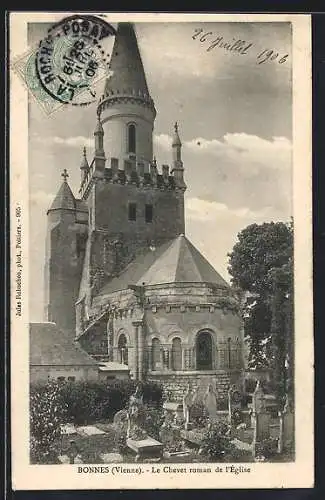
(71, 60)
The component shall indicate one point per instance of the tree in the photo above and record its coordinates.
(47, 414)
(260, 249)
(261, 267)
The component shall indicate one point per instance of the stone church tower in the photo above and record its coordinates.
(120, 274)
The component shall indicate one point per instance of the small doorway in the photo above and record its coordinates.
(204, 346)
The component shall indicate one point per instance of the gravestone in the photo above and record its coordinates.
(194, 437)
(174, 409)
(135, 414)
(166, 435)
(260, 418)
(145, 448)
(234, 405)
(120, 420)
(198, 416)
(286, 434)
(210, 403)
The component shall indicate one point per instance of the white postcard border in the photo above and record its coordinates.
(262, 475)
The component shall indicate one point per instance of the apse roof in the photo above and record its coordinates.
(181, 262)
(176, 261)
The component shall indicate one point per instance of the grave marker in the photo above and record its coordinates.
(260, 418)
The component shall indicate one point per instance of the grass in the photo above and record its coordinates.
(91, 447)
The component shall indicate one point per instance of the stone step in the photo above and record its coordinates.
(111, 458)
(145, 448)
(241, 445)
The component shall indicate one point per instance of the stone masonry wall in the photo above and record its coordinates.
(112, 212)
(174, 386)
(63, 265)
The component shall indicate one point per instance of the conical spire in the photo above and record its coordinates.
(177, 170)
(84, 162)
(126, 64)
(177, 147)
(64, 198)
(99, 138)
(99, 128)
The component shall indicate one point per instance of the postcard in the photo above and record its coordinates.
(161, 255)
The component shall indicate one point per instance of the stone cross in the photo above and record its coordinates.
(187, 402)
(65, 175)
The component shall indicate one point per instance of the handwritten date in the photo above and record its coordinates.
(271, 55)
(237, 46)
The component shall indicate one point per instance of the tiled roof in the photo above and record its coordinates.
(126, 64)
(81, 206)
(51, 346)
(64, 198)
(181, 262)
(176, 261)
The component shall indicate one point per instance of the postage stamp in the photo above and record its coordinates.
(67, 63)
(161, 261)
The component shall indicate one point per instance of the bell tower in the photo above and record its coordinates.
(132, 204)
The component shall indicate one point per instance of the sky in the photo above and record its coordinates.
(235, 123)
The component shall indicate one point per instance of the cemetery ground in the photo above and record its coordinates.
(119, 427)
(103, 447)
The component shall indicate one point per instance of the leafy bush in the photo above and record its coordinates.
(48, 412)
(198, 415)
(237, 417)
(222, 404)
(216, 443)
(89, 401)
(250, 385)
(153, 421)
(266, 448)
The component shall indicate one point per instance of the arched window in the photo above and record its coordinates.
(204, 351)
(177, 354)
(155, 354)
(131, 138)
(122, 349)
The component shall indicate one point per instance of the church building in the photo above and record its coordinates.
(121, 277)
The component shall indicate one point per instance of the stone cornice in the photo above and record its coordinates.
(119, 98)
